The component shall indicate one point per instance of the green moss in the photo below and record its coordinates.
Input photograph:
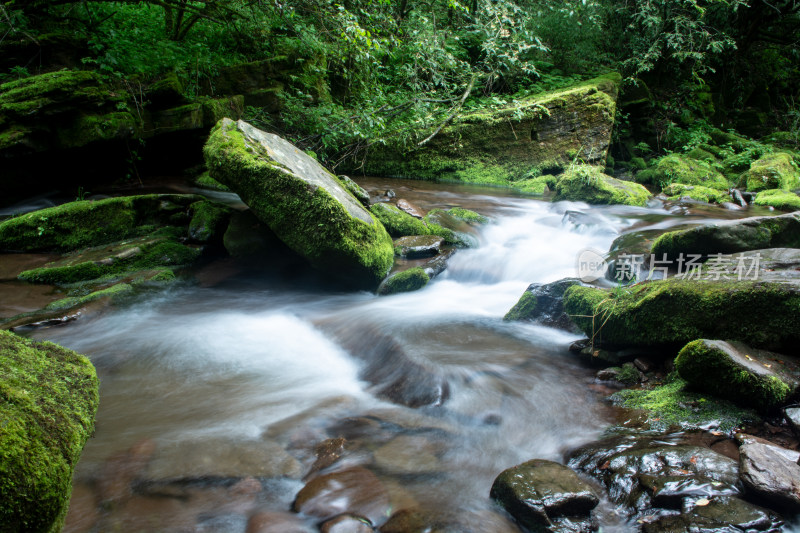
(677, 191)
(85, 223)
(524, 307)
(628, 374)
(701, 155)
(730, 237)
(503, 146)
(676, 168)
(146, 254)
(706, 365)
(91, 128)
(588, 184)
(409, 280)
(535, 186)
(779, 199)
(467, 216)
(308, 219)
(440, 223)
(207, 182)
(113, 292)
(671, 404)
(355, 189)
(670, 313)
(209, 221)
(30, 95)
(48, 399)
(772, 171)
(397, 222)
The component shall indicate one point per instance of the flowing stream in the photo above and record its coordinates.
(269, 357)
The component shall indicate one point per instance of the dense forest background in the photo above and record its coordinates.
(358, 72)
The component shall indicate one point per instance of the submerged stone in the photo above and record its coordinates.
(732, 236)
(539, 491)
(673, 312)
(736, 372)
(304, 204)
(588, 184)
(48, 400)
(721, 514)
(354, 491)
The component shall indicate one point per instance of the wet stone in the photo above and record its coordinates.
(346, 524)
(671, 492)
(539, 491)
(417, 246)
(408, 454)
(411, 209)
(355, 491)
(793, 417)
(719, 515)
(771, 474)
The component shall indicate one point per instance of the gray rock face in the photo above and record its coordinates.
(539, 491)
(416, 246)
(411, 209)
(304, 167)
(771, 473)
(793, 417)
(356, 190)
(544, 303)
(732, 236)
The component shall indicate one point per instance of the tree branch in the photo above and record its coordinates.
(452, 115)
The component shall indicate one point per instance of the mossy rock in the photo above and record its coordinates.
(209, 221)
(670, 313)
(674, 403)
(397, 222)
(544, 304)
(535, 186)
(76, 225)
(468, 216)
(677, 168)
(736, 372)
(539, 134)
(779, 199)
(772, 171)
(355, 189)
(679, 191)
(732, 236)
(114, 261)
(304, 204)
(114, 292)
(588, 184)
(409, 280)
(454, 230)
(53, 92)
(207, 182)
(48, 400)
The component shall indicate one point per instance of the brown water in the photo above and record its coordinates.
(244, 362)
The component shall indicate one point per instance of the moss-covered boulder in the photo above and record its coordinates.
(732, 236)
(670, 313)
(355, 189)
(772, 171)
(48, 400)
(406, 281)
(304, 204)
(397, 222)
(468, 216)
(680, 191)
(779, 199)
(677, 168)
(588, 184)
(544, 304)
(736, 372)
(85, 223)
(538, 134)
(453, 229)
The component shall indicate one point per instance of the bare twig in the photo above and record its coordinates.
(453, 114)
